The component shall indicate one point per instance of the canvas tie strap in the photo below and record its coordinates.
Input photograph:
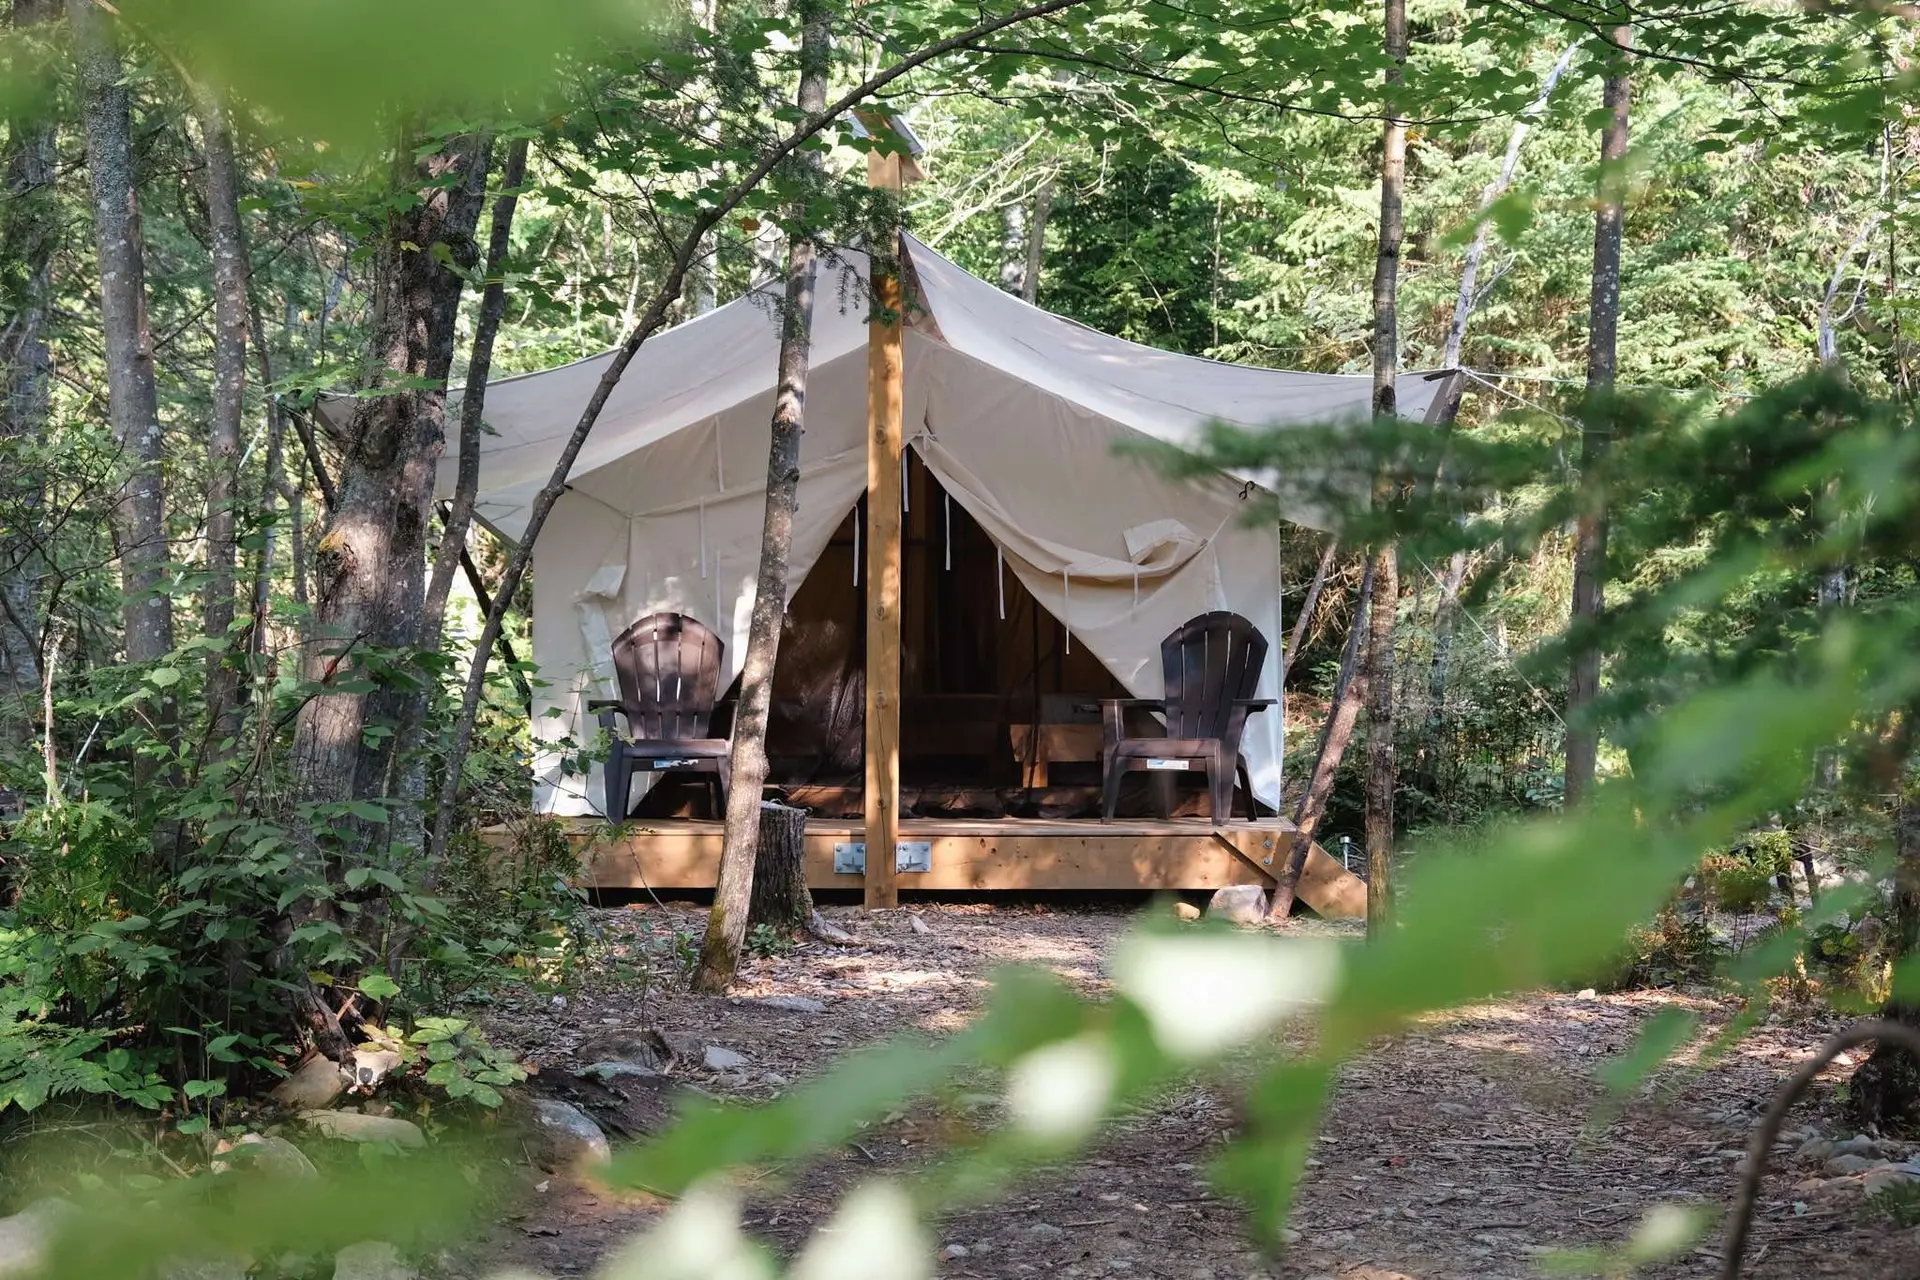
(1066, 608)
(856, 546)
(1000, 578)
(719, 461)
(947, 502)
(703, 539)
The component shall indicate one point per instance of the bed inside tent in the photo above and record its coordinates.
(1042, 563)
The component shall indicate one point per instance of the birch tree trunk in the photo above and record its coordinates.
(1307, 607)
(1037, 240)
(727, 922)
(1590, 530)
(230, 316)
(28, 236)
(140, 514)
(1385, 596)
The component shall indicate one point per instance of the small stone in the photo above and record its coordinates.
(566, 1137)
(1289, 1236)
(955, 1251)
(1858, 1145)
(271, 1155)
(25, 1237)
(1186, 911)
(351, 1126)
(1046, 1231)
(791, 1004)
(1241, 904)
(616, 1068)
(371, 1260)
(773, 1078)
(647, 1047)
(558, 1002)
(371, 1065)
(1588, 993)
(719, 1059)
(314, 1085)
(1848, 1165)
(201, 1269)
(1815, 1149)
(918, 925)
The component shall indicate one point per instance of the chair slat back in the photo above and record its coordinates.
(1208, 662)
(669, 669)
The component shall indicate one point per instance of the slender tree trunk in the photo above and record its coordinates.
(1885, 1090)
(140, 514)
(229, 403)
(1349, 691)
(493, 306)
(1307, 606)
(272, 484)
(1014, 246)
(28, 235)
(1037, 240)
(370, 564)
(1382, 763)
(1590, 530)
(727, 923)
(1446, 615)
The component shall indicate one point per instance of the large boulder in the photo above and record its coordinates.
(271, 1155)
(565, 1137)
(26, 1237)
(314, 1086)
(351, 1126)
(1241, 904)
(371, 1260)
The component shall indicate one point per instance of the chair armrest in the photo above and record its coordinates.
(1113, 717)
(1256, 704)
(606, 709)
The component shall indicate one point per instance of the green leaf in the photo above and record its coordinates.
(443, 1074)
(163, 677)
(1663, 1033)
(486, 1095)
(379, 986)
(204, 1088)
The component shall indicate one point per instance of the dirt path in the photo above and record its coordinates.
(1464, 1150)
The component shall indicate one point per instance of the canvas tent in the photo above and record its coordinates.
(1015, 412)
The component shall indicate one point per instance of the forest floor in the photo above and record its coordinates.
(1466, 1148)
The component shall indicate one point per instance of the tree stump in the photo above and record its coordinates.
(780, 896)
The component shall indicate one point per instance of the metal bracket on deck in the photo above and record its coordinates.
(850, 859)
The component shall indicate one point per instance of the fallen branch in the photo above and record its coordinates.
(1741, 1221)
(820, 928)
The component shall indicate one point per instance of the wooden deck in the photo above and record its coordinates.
(990, 854)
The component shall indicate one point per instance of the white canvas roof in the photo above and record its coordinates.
(1017, 413)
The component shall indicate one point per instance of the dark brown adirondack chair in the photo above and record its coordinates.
(669, 670)
(1211, 665)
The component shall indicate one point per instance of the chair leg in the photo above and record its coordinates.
(1110, 789)
(723, 783)
(619, 783)
(1219, 787)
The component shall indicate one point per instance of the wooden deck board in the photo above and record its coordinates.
(988, 854)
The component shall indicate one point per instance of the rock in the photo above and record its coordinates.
(201, 1269)
(647, 1047)
(315, 1085)
(1588, 993)
(565, 1137)
(1815, 1148)
(1848, 1165)
(719, 1059)
(372, 1064)
(371, 1260)
(617, 1067)
(1046, 1231)
(773, 1078)
(918, 925)
(1289, 1236)
(1893, 1178)
(1858, 1145)
(955, 1251)
(1186, 911)
(790, 1004)
(25, 1237)
(276, 1156)
(351, 1126)
(1241, 904)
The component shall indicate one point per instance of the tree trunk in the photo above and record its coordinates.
(493, 306)
(140, 514)
(727, 923)
(1307, 606)
(229, 403)
(1037, 240)
(1590, 530)
(272, 483)
(1349, 691)
(781, 899)
(1382, 764)
(1015, 244)
(28, 235)
(369, 566)
(1446, 615)
(1885, 1091)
